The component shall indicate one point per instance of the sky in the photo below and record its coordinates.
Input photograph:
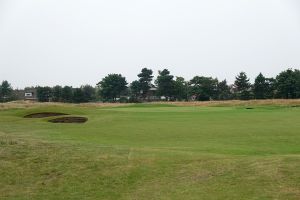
(76, 42)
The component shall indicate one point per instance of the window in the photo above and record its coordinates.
(28, 94)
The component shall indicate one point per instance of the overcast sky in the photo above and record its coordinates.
(75, 42)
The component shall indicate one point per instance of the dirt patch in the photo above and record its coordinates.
(44, 114)
(69, 120)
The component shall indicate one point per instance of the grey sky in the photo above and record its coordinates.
(74, 42)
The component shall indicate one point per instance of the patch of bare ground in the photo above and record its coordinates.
(69, 120)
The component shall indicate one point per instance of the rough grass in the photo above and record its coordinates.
(272, 102)
(269, 102)
(151, 152)
(32, 104)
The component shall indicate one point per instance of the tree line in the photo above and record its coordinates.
(67, 94)
(114, 87)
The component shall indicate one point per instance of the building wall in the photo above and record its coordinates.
(30, 94)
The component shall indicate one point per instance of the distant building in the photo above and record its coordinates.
(30, 94)
(152, 94)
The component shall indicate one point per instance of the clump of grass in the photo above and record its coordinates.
(5, 139)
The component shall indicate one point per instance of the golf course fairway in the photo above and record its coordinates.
(151, 151)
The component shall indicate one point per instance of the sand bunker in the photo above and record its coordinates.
(69, 120)
(44, 114)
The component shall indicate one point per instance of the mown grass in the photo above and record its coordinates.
(148, 151)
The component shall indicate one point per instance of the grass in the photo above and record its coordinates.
(152, 151)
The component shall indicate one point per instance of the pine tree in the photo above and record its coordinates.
(145, 78)
(5, 91)
(165, 84)
(260, 87)
(243, 86)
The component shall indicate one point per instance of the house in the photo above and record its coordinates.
(30, 94)
(152, 94)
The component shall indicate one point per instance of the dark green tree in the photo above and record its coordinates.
(44, 94)
(271, 88)
(78, 96)
(223, 91)
(288, 84)
(243, 87)
(112, 86)
(67, 94)
(165, 84)
(203, 88)
(135, 89)
(181, 89)
(145, 79)
(6, 91)
(260, 87)
(89, 93)
(57, 93)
